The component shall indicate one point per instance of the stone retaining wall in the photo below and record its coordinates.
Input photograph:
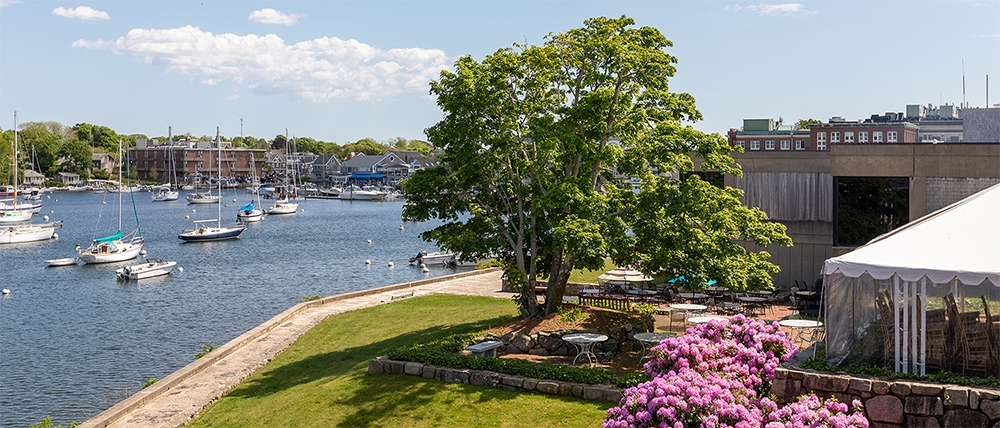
(605, 393)
(896, 403)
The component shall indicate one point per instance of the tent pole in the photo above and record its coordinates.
(895, 319)
(905, 300)
(923, 326)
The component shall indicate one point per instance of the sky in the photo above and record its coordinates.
(340, 71)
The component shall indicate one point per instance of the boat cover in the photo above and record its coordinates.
(114, 237)
(247, 207)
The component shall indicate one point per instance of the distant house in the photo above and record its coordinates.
(361, 167)
(68, 178)
(325, 166)
(102, 161)
(400, 164)
(33, 178)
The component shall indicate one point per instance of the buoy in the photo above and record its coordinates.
(234, 200)
(51, 211)
(142, 253)
(6, 291)
(48, 196)
(302, 210)
(400, 227)
(369, 242)
(368, 262)
(227, 205)
(104, 202)
(426, 270)
(57, 200)
(45, 217)
(55, 236)
(187, 216)
(423, 265)
(194, 210)
(180, 269)
(391, 264)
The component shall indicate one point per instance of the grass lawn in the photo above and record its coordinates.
(590, 276)
(322, 380)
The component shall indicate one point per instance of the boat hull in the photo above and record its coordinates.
(146, 270)
(165, 196)
(27, 233)
(15, 216)
(280, 208)
(202, 199)
(250, 216)
(207, 234)
(62, 262)
(97, 256)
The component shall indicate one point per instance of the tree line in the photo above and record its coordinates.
(49, 147)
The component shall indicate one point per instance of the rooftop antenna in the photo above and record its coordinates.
(964, 104)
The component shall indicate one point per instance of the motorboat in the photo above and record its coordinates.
(355, 193)
(435, 258)
(18, 233)
(149, 269)
(69, 261)
(203, 230)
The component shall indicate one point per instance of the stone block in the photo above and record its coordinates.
(957, 397)
(987, 395)
(411, 368)
(522, 342)
(990, 407)
(883, 425)
(511, 349)
(781, 373)
(602, 393)
(922, 422)
(547, 387)
(786, 390)
(923, 406)
(880, 387)
(515, 381)
(819, 382)
(577, 390)
(925, 389)
(428, 372)
(962, 418)
(529, 384)
(375, 367)
(396, 367)
(900, 389)
(973, 400)
(860, 385)
(540, 351)
(885, 408)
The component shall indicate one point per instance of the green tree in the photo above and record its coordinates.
(807, 123)
(99, 137)
(536, 144)
(76, 156)
(42, 142)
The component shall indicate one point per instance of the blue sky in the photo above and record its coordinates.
(340, 71)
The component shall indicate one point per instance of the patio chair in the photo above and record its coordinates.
(884, 303)
(971, 338)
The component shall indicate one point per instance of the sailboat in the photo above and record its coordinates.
(17, 233)
(168, 192)
(251, 213)
(203, 231)
(117, 247)
(282, 205)
(11, 212)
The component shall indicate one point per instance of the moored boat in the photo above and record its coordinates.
(149, 269)
(435, 258)
(14, 234)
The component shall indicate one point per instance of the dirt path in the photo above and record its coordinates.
(175, 399)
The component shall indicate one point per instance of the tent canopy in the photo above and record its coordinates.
(953, 242)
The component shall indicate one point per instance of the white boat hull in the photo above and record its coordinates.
(110, 254)
(429, 259)
(15, 216)
(198, 198)
(283, 208)
(27, 232)
(250, 216)
(62, 262)
(146, 270)
(166, 195)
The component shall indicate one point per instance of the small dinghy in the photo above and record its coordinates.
(149, 269)
(62, 262)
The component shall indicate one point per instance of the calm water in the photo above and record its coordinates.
(73, 341)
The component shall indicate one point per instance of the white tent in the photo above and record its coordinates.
(948, 251)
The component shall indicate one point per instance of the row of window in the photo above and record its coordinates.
(890, 137)
(769, 145)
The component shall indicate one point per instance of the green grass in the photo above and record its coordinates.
(321, 380)
(590, 276)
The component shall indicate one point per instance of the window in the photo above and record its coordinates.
(800, 145)
(849, 137)
(890, 137)
(755, 145)
(786, 145)
(821, 145)
(862, 137)
(742, 144)
(821, 139)
(834, 137)
(769, 145)
(877, 137)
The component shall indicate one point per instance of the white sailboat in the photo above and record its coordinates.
(168, 192)
(251, 213)
(283, 205)
(17, 233)
(116, 247)
(203, 230)
(10, 211)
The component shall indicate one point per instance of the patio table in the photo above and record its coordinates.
(585, 343)
(649, 340)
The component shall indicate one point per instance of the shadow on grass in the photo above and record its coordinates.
(351, 361)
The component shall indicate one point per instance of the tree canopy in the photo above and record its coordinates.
(537, 144)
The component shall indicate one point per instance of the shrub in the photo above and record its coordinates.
(717, 375)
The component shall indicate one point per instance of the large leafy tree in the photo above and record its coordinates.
(537, 143)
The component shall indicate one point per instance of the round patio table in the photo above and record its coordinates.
(798, 325)
(585, 343)
(649, 340)
(706, 318)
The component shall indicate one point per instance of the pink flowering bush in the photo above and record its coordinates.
(717, 375)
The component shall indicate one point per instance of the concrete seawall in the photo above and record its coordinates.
(175, 399)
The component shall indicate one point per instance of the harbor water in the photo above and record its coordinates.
(74, 340)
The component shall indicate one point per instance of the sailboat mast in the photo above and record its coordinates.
(14, 160)
(119, 184)
(218, 143)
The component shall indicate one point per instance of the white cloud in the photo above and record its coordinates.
(4, 3)
(785, 9)
(271, 16)
(316, 70)
(83, 12)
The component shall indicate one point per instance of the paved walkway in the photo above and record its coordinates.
(175, 399)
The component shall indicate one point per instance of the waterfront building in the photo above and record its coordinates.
(195, 162)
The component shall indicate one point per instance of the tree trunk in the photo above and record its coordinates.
(556, 287)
